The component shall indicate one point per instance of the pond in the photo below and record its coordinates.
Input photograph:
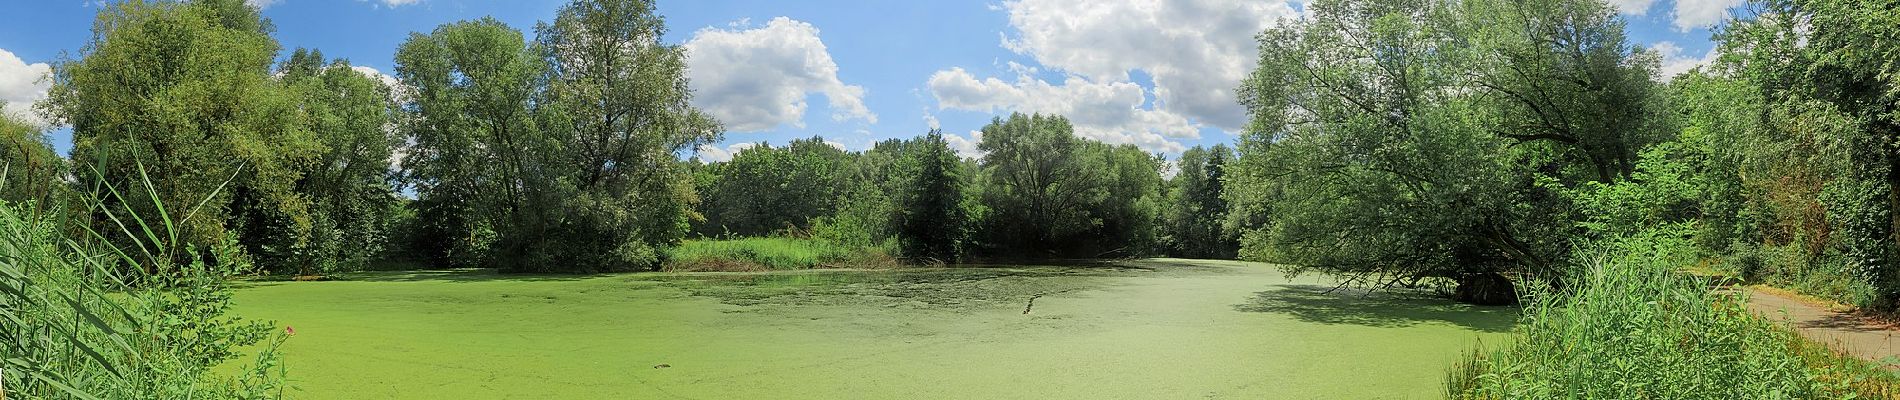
(1137, 329)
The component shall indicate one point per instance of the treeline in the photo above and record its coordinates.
(1037, 191)
(558, 151)
(1393, 141)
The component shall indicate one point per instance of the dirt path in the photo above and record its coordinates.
(1844, 332)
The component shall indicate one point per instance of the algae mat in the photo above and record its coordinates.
(1143, 329)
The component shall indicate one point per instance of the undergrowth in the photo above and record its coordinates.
(1636, 328)
(774, 253)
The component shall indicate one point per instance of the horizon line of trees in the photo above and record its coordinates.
(552, 152)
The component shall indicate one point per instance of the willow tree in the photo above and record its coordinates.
(348, 183)
(477, 148)
(617, 101)
(1560, 79)
(1365, 153)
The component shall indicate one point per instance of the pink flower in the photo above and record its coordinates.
(288, 331)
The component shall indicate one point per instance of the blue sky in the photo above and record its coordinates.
(1157, 73)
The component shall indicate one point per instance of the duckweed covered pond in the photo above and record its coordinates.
(1143, 329)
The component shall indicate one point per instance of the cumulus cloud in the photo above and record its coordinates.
(1675, 62)
(1691, 14)
(713, 153)
(1111, 112)
(1632, 7)
(758, 79)
(965, 145)
(1196, 51)
(22, 84)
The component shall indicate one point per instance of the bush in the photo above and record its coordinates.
(1637, 328)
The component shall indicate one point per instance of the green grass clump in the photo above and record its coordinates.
(89, 321)
(773, 253)
(1636, 328)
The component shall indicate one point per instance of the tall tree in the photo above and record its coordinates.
(478, 154)
(932, 218)
(1561, 75)
(1040, 184)
(1196, 211)
(181, 92)
(348, 184)
(1366, 157)
(617, 100)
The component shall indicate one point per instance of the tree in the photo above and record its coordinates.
(1814, 113)
(766, 189)
(1364, 155)
(1560, 77)
(34, 176)
(1040, 184)
(618, 102)
(932, 219)
(348, 185)
(181, 93)
(478, 155)
(1196, 209)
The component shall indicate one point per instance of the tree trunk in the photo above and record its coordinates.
(1486, 289)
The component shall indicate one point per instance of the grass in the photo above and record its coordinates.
(772, 254)
(1154, 329)
(1637, 328)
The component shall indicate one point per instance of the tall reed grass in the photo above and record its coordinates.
(135, 317)
(774, 253)
(1636, 328)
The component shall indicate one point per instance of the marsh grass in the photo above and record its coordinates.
(774, 254)
(135, 318)
(1637, 328)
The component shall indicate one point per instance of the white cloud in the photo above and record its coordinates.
(1691, 14)
(1632, 7)
(712, 153)
(1674, 62)
(965, 145)
(1196, 51)
(378, 75)
(931, 121)
(758, 79)
(1110, 112)
(21, 85)
(384, 3)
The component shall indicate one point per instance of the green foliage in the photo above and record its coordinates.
(474, 138)
(81, 326)
(1800, 112)
(30, 173)
(182, 92)
(766, 189)
(560, 154)
(348, 185)
(932, 219)
(1637, 328)
(1048, 193)
(1195, 209)
(1368, 157)
(773, 253)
